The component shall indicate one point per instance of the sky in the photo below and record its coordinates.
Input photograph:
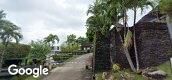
(39, 18)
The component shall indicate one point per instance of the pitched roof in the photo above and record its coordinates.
(153, 16)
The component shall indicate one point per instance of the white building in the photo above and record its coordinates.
(55, 49)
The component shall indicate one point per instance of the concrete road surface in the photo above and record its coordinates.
(73, 70)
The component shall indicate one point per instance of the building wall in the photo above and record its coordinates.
(153, 43)
(117, 53)
(102, 53)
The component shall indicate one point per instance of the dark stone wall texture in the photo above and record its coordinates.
(153, 45)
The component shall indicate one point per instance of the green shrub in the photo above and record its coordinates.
(16, 51)
(23, 77)
(61, 57)
(71, 47)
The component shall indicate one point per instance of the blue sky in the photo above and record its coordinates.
(38, 18)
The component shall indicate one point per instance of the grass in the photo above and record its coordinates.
(166, 67)
(32, 78)
(25, 77)
(133, 76)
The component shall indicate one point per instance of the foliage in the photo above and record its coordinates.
(82, 40)
(62, 57)
(116, 67)
(51, 39)
(167, 68)
(2, 14)
(128, 39)
(39, 50)
(16, 51)
(100, 19)
(73, 44)
(166, 6)
(71, 39)
(25, 77)
(105, 13)
(9, 32)
(134, 76)
(70, 47)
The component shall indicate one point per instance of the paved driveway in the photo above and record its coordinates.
(73, 70)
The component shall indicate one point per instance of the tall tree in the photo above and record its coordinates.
(71, 39)
(51, 39)
(8, 33)
(71, 44)
(136, 4)
(100, 20)
(121, 7)
(2, 14)
(82, 40)
(104, 14)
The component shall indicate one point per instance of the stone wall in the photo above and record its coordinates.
(153, 43)
(117, 53)
(102, 53)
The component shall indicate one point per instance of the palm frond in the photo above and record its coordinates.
(128, 39)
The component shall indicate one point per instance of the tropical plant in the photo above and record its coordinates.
(100, 20)
(81, 40)
(135, 5)
(72, 44)
(51, 39)
(70, 47)
(2, 14)
(8, 33)
(14, 50)
(104, 14)
(39, 50)
(71, 39)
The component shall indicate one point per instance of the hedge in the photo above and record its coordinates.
(16, 51)
(63, 56)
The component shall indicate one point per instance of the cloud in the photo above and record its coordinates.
(38, 18)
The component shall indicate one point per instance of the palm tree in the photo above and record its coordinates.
(2, 14)
(100, 19)
(8, 33)
(122, 7)
(135, 5)
(51, 39)
(105, 14)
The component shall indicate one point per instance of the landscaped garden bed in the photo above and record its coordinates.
(126, 74)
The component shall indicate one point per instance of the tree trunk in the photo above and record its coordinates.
(126, 52)
(1, 59)
(129, 59)
(169, 24)
(124, 24)
(134, 39)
